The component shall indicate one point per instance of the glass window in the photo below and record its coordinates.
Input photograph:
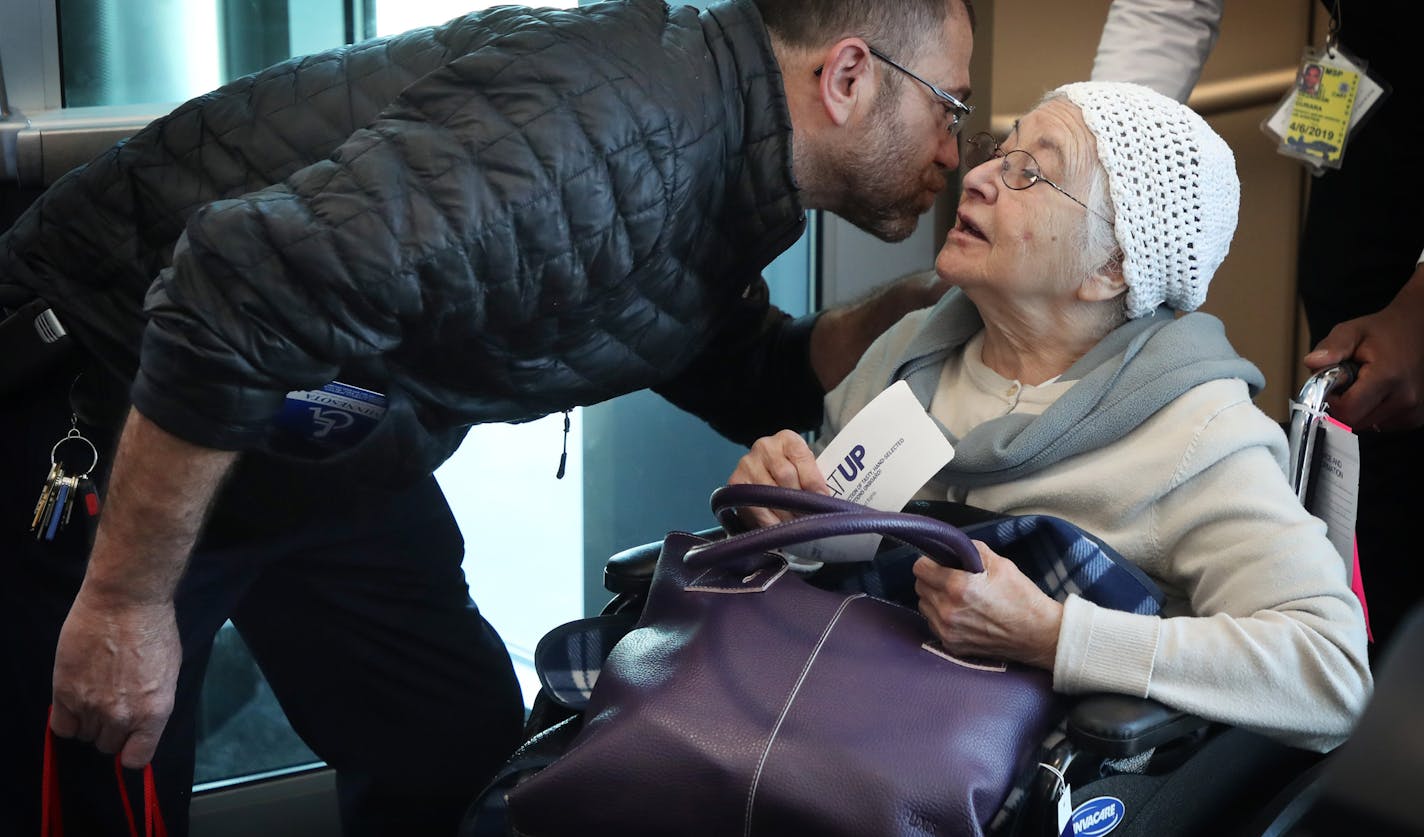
(122, 52)
(242, 732)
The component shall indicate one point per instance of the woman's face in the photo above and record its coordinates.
(1024, 245)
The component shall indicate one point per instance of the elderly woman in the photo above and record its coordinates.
(1057, 367)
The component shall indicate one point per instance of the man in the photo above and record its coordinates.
(544, 209)
(1361, 275)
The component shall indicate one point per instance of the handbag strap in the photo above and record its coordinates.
(828, 518)
(727, 499)
(51, 822)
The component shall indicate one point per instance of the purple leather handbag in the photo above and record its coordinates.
(748, 701)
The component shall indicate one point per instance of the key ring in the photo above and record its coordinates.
(72, 436)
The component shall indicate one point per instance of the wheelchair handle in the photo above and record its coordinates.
(1329, 380)
(830, 517)
(1306, 412)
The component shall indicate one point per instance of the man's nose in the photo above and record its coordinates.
(947, 155)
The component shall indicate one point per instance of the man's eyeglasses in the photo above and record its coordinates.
(956, 112)
(1019, 170)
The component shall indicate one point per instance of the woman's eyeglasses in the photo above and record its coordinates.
(1019, 170)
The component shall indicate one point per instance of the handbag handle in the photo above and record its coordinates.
(829, 517)
(727, 499)
(51, 823)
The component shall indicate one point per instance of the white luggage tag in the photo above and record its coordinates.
(1336, 500)
(1334, 496)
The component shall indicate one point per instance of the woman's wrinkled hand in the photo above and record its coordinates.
(998, 614)
(784, 460)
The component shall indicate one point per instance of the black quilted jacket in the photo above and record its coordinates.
(543, 209)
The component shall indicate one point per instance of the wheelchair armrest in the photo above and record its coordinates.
(630, 572)
(1119, 726)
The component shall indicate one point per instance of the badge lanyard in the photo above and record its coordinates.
(1332, 93)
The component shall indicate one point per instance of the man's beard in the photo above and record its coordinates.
(881, 196)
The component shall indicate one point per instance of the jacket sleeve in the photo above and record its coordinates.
(1160, 43)
(755, 376)
(279, 289)
(450, 212)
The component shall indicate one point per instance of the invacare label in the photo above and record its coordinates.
(1097, 817)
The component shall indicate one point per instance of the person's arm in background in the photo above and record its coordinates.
(843, 334)
(1159, 43)
(1389, 346)
(766, 371)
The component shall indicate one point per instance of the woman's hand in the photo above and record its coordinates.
(999, 613)
(785, 460)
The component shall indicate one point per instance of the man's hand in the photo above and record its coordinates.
(1389, 347)
(115, 672)
(999, 613)
(842, 335)
(785, 460)
(116, 666)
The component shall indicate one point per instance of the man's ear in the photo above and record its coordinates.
(846, 79)
(1104, 283)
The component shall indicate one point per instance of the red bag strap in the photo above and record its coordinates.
(50, 825)
(51, 822)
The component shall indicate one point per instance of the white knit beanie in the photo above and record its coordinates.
(1174, 190)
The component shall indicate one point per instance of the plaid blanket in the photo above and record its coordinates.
(1065, 560)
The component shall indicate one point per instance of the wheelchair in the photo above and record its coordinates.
(1130, 766)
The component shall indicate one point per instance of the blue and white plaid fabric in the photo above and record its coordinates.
(1065, 560)
(1059, 556)
(569, 658)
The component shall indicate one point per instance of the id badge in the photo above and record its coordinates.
(1331, 94)
(335, 417)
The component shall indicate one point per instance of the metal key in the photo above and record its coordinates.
(58, 508)
(54, 472)
(61, 491)
(72, 500)
(51, 503)
(55, 492)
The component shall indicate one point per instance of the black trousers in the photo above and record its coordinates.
(358, 615)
